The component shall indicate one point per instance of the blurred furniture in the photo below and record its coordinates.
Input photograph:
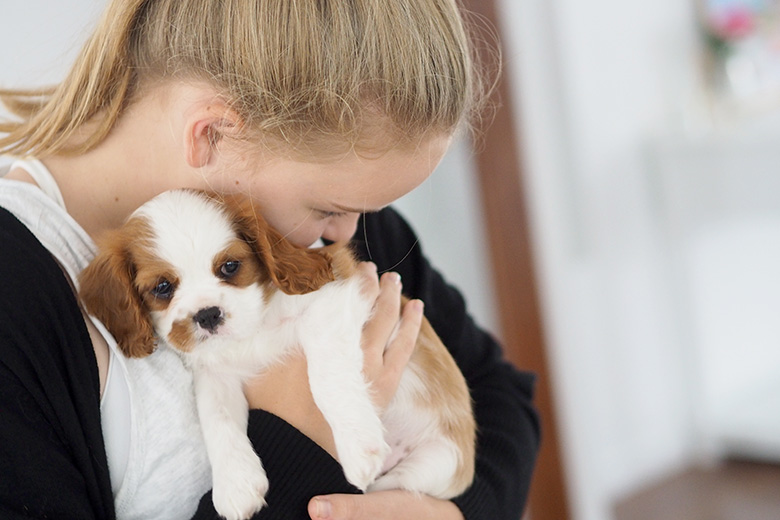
(733, 490)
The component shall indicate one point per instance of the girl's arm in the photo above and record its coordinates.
(52, 459)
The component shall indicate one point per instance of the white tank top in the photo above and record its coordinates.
(156, 456)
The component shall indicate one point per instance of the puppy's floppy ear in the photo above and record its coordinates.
(295, 270)
(107, 291)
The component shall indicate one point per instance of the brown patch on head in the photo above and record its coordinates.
(238, 265)
(292, 269)
(108, 291)
(150, 273)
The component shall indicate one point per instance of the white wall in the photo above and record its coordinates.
(604, 88)
(40, 38)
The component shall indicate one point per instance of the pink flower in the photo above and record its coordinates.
(733, 23)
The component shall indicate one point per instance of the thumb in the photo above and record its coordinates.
(335, 507)
(378, 505)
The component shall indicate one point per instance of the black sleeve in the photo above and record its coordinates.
(508, 427)
(52, 457)
(297, 468)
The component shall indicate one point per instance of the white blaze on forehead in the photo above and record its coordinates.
(190, 229)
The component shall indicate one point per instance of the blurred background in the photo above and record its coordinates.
(648, 136)
(650, 133)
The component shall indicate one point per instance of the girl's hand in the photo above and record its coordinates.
(382, 505)
(387, 342)
(387, 345)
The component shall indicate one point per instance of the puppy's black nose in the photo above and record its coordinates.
(209, 318)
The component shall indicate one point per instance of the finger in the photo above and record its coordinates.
(367, 271)
(401, 347)
(388, 302)
(348, 507)
(386, 314)
(382, 505)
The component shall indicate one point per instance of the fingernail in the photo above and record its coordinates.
(322, 508)
(419, 306)
(395, 278)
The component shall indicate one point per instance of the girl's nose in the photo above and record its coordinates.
(341, 228)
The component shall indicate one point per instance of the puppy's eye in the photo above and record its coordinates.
(229, 268)
(163, 290)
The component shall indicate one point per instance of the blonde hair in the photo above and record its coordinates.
(295, 71)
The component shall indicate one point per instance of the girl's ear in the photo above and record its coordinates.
(107, 291)
(200, 143)
(205, 128)
(295, 270)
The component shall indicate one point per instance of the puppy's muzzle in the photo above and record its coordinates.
(209, 318)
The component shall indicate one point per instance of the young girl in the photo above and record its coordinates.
(325, 112)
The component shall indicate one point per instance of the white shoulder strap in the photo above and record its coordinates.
(42, 177)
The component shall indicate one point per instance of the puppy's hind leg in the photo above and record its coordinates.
(429, 468)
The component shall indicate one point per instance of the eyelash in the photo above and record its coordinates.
(329, 214)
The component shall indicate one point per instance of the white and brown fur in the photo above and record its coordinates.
(240, 297)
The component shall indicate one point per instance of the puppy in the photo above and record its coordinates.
(208, 277)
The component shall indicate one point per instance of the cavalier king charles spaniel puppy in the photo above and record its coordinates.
(207, 276)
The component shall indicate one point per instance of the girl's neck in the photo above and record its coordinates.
(135, 162)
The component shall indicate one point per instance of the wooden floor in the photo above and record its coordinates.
(735, 490)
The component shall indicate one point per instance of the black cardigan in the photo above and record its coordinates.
(52, 458)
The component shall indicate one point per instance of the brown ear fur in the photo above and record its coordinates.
(106, 289)
(295, 270)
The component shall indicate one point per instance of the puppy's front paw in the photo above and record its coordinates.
(363, 460)
(239, 489)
